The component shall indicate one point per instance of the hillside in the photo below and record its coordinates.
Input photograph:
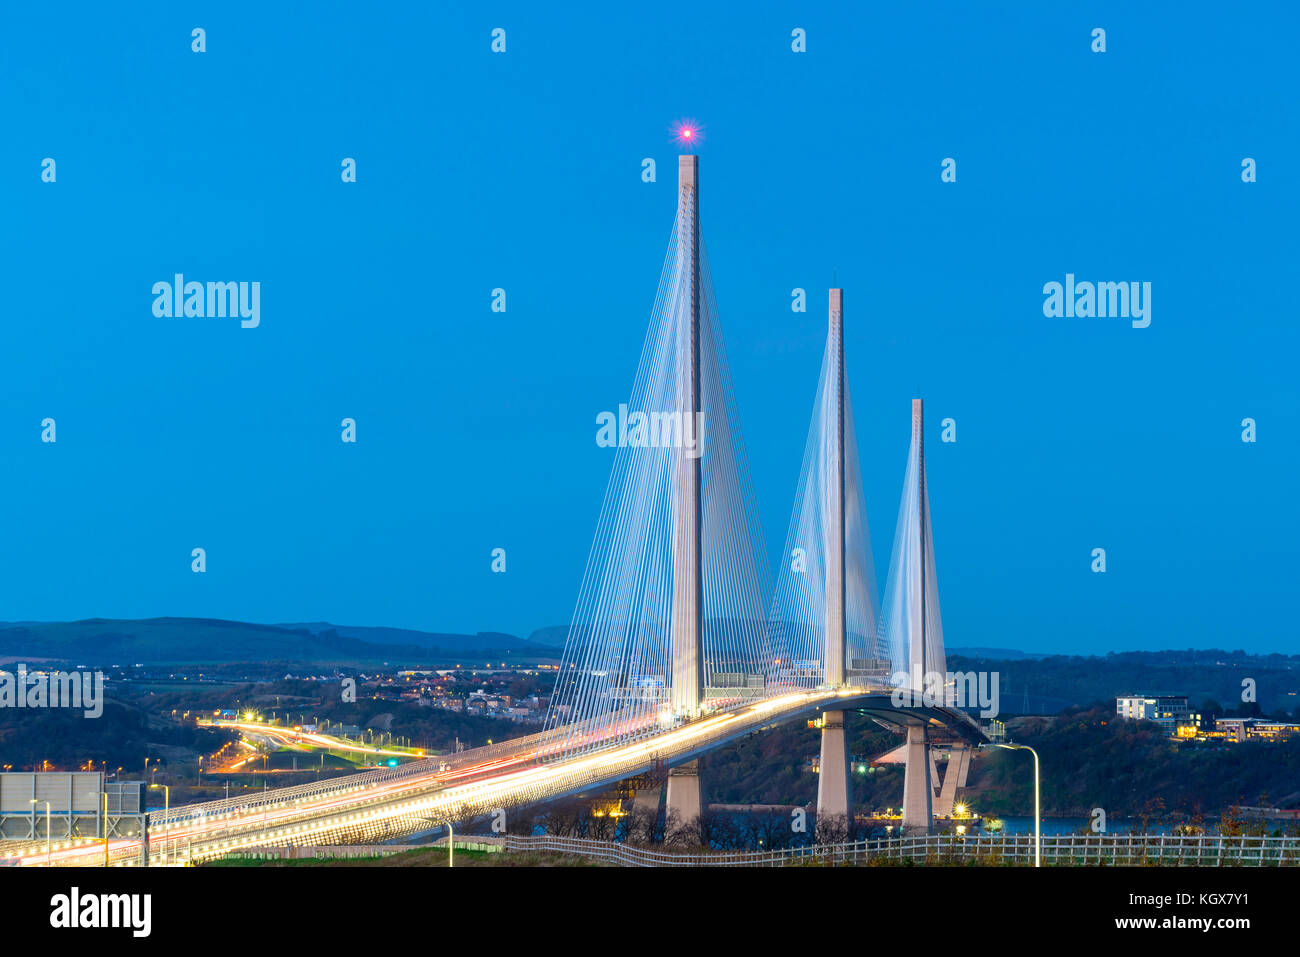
(1057, 682)
(1089, 759)
(479, 642)
(1130, 768)
(103, 642)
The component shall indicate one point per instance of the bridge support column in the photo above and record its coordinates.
(834, 797)
(646, 800)
(683, 802)
(954, 777)
(918, 793)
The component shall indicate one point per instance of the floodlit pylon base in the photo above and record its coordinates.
(683, 803)
(954, 777)
(833, 796)
(918, 793)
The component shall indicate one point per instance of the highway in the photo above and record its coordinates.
(418, 796)
(290, 737)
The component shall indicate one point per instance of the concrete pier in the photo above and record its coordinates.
(683, 799)
(954, 777)
(834, 794)
(918, 793)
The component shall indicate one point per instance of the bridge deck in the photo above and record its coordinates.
(425, 793)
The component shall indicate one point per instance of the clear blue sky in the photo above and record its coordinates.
(522, 170)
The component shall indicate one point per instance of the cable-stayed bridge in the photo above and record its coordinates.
(679, 642)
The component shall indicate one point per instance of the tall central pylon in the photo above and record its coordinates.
(672, 615)
(834, 798)
(824, 622)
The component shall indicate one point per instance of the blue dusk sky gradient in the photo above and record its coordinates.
(477, 430)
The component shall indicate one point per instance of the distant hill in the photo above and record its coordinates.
(1001, 654)
(556, 636)
(102, 641)
(481, 641)
(553, 636)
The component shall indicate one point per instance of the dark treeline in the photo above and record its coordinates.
(1073, 681)
(1132, 769)
(715, 829)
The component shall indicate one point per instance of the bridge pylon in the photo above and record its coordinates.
(672, 619)
(687, 679)
(687, 545)
(824, 621)
(834, 785)
(914, 574)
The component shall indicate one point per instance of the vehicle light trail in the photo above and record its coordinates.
(428, 789)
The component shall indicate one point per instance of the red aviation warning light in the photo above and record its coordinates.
(687, 133)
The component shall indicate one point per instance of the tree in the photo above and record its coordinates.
(641, 826)
(833, 829)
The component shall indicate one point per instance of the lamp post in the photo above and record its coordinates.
(451, 846)
(49, 858)
(104, 820)
(451, 838)
(1038, 837)
(167, 806)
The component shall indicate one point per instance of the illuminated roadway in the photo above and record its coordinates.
(291, 737)
(420, 795)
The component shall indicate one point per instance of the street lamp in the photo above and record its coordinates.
(451, 838)
(167, 795)
(1038, 837)
(167, 806)
(49, 859)
(104, 821)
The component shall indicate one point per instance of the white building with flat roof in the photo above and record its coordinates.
(1170, 711)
